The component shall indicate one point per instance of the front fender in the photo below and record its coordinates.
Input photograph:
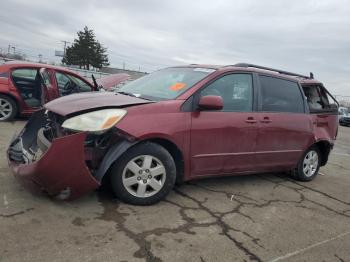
(113, 153)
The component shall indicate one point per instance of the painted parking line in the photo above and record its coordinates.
(309, 247)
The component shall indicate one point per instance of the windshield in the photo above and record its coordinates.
(167, 83)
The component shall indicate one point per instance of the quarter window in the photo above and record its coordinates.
(236, 91)
(279, 95)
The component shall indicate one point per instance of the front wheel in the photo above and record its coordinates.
(144, 175)
(308, 165)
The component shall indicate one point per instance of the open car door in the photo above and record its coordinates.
(48, 92)
(111, 82)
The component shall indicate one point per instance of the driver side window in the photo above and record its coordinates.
(64, 84)
(68, 84)
(236, 91)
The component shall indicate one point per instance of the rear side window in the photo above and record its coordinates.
(26, 73)
(279, 95)
(318, 100)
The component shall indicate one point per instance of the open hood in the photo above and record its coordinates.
(93, 100)
(111, 81)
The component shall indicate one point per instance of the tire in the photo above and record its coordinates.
(8, 108)
(143, 175)
(306, 169)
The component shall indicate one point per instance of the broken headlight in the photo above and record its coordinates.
(95, 122)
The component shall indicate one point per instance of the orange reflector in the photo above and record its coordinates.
(110, 121)
(177, 86)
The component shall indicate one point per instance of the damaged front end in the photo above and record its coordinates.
(64, 164)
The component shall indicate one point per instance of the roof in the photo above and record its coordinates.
(18, 64)
(303, 79)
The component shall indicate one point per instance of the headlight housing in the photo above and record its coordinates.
(96, 121)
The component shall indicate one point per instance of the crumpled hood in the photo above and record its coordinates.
(93, 100)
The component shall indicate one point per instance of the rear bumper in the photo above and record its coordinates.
(60, 171)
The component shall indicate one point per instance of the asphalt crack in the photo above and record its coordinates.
(112, 213)
(224, 227)
(304, 199)
(17, 213)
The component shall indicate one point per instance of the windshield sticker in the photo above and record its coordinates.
(177, 86)
(204, 70)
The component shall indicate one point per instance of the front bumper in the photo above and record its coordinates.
(60, 171)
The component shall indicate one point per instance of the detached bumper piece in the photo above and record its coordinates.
(56, 167)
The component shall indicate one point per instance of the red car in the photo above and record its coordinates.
(177, 124)
(25, 87)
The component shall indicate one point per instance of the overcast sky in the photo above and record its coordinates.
(299, 35)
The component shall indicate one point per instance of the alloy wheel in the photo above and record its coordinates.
(144, 176)
(310, 163)
(5, 109)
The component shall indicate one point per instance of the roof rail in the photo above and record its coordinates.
(274, 70)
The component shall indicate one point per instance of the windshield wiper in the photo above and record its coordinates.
(133, 95)
(126, 93)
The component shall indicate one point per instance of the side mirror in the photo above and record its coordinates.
(211, 102)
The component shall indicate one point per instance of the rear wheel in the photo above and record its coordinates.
(8, 108)
(308, 165)
(144, 175)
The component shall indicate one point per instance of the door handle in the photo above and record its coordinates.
(266, 120)
(250, 120)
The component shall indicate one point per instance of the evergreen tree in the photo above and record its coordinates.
(86, 51)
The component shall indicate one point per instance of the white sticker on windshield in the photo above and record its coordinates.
(204, 70)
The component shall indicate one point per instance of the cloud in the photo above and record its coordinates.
(300, 36)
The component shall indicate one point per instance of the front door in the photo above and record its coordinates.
(69, 84)
(224, 141)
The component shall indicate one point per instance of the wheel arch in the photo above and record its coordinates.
(325, 147)
(117, 150)
(175, 152)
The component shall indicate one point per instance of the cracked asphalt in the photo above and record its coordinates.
(265, 217)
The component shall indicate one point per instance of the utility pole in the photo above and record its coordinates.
(65, 46)
(40, 57)
(8, 49)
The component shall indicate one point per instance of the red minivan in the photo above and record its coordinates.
(178, 124)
